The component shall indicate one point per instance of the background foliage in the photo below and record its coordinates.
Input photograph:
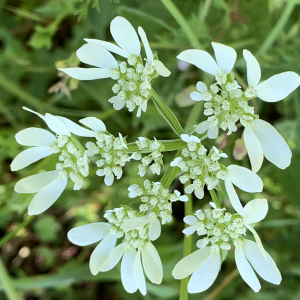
(38, 261)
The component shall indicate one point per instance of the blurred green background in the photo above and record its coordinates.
(38, 261)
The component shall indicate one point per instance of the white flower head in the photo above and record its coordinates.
(225, 59)
(262, 139)
(273, 89)
(202, 94)
(212, 131)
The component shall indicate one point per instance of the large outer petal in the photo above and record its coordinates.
(244, 179)
(93, 123)
(97, 56)
(35, 137)
(34, 183)
(154, 230)
(88, 234)
(255, 210)
(101, 253)
(125, 35)
(161, 69)
(254, 149)
(87, 73)
(47, 196)
(278, 86)
(113, 258)
(273, 144)
(138, 273)
(233, 197)
(265, 267)
(29, 156)
(152, 263)
(189, 264)
(144, 39)
(205, 276)
(135, 223)
(201, 59)
(75, 128)
(225, 56)
(56, 125)
(109, 46)
(245, 270)
(253, 68)
(127, 271)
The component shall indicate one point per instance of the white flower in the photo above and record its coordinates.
(202, 94)
(140, 222)
(262, 139)
(48, 187)
(245, 180)
(273, 89)
(212, 131)
(191, 140)
(203, 264)
(93, 123)
(217, 155)
(178, 197)
(42, 141)
(248, 256)
(225, 57)
(196, 187)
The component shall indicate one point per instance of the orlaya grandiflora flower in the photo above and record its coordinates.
(98, 54)
(225, 59)
(47, 186)
(106, 256)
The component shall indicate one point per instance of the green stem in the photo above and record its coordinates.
(170, 145)
(272, 36)
(205, 10)
(10, 235)
(187, 245)
(215, 198)
(193, 117)
(174, 11)
(7, 283)
(166, 113)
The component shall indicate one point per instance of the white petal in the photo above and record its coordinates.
(201, 59)
(29, 156)
(127, 271)
(278, 86)
(161, 69)
(245, 270)
(185, 137)
(189, 189)
(202, 127)
(109, 179)
(254, 149)
(201, 87)
(190, 220)
(113, 258)
(144, 39)
(97, 56)
(75, 128)
(199, 193)
(225, 56)
(88, 234)
(87, 73)
(35, 137)
(253, 68)
(101, 252)
(212, 132)
(138, 273)
(184, 198)
(205, 276)
(255, 210)
(100, 172)
(139, 111)
(94, 123)
(189, 264)
(273, 144)
(125, 35)
(117, 103)
(175, 162)
(194, 139)
(152, 263)
(133, 187)
(46, 196)
(196, 96)
(189, 230)
(56, 125)
(144, 105)
(34, 112)
(34, 183)
(266, 268)
(233, 197)
(135, 223)
(257, 240)
(244, 179)
(109, 46)
(154, 230)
